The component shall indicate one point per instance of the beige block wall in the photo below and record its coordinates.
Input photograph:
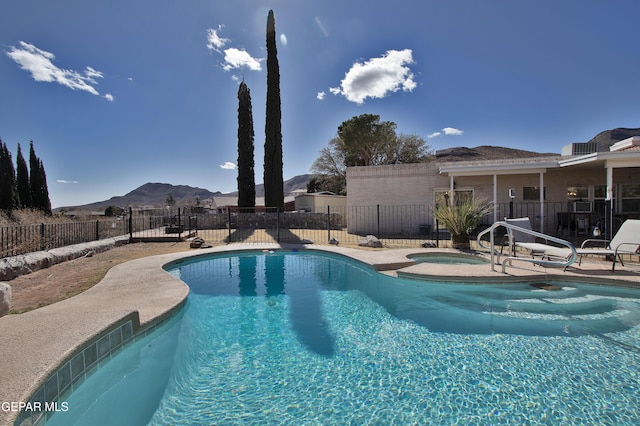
(317, 203)
(404, 193)
(400, 184)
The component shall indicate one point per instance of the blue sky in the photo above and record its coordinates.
(117, 93)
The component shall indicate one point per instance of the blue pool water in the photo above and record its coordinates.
(308, 338)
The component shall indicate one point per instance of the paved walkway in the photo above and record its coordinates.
(36, 343)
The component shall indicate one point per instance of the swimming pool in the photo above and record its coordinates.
(303, 337)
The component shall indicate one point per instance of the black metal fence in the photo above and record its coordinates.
(160, 224)
(395, 226)
(21, 239)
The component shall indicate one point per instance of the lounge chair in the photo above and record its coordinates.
(626, 241)
(523, 240)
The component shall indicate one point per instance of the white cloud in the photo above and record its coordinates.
(377, 77)
(447, 131)
(66, 181)
(452, 131)
(214, 41)
(109, 97)
(283, 39)
(40, 64)
(235, 58)
(321, 26)
(228, 165)
(320, 96)
(90, 72)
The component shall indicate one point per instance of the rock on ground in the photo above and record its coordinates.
(12, 267)
(370, 241)
(5, 298)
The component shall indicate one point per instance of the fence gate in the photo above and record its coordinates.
(167, 224)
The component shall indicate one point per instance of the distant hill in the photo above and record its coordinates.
(485, 152)
(609, 137)
(155, 194)
(296, 182)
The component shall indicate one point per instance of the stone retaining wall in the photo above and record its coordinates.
(12, 267)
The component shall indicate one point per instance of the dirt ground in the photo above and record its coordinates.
(61, 281)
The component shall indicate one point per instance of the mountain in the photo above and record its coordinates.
(609, 137)
(155, 194)
(296, 182)
(485, 152)
(604, 140)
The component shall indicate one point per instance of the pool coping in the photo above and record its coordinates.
(37, 343)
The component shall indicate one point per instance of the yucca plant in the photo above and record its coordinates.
(461, 218)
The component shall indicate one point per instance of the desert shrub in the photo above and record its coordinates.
(30, 217)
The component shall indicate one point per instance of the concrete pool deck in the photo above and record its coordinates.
(34, 344)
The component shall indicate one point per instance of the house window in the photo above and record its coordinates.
(532, 193)
(600, 192)
(630, 198)
(599, 195)
(577, 192)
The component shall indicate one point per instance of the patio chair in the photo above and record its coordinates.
(523, 240)
(626, 241)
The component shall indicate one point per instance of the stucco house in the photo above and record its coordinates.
(575, 186)
(319, 202)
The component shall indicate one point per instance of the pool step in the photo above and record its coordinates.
(567, 312)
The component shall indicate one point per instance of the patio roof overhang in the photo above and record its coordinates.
(497, 169)
(614, 159)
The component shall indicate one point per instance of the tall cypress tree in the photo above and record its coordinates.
(33, 174)
(8, 192)
(44, 189)
(34, 177)
(246, 174)
(273, 182)
(22, 181)
(38, 183)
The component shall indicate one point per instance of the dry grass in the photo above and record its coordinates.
(67, 279)
(30, 217)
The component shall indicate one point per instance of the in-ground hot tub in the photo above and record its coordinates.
(449, 258)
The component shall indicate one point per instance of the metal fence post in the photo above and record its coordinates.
(229, 221)
(608, 220)
(42, 242)
(97, 230)
(378, 214)
(328, 223)
(278, 224)
(130, 224)
(179, 226)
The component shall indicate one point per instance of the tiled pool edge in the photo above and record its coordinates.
(49, 397)
(83, 362)
(142, 289)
